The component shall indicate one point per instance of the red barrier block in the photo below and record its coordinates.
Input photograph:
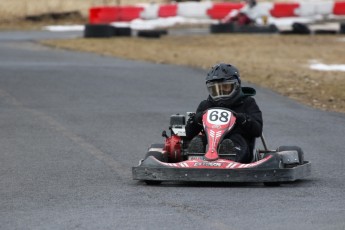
(281, 10)
(93, 15)
(220, 10)
(169, 10)
(103, 14)
(339, 8)
(129, 13)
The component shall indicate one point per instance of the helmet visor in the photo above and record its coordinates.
(218, 90)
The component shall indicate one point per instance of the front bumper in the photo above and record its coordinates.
(268, 171)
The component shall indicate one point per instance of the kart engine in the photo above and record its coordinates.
(173, 144)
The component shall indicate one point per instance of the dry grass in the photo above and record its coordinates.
(16, 9)
(25, 24)
(273, 61)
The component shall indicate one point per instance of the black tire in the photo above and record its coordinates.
(342, 28)
(123, 31)
(149, 34)
(222, 28)
(98, 31)
(163, 32)
(272, 184)
(157, 154)
(256, 29)
(153, 182)
(300, 28)
(296, 148)
(325, 32)
(273, 28)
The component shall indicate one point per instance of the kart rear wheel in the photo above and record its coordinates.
(154, 150)
(272, 184)
(293, 148)
(158, 155)
(153, 182)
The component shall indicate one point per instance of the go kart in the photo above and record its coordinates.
(172, 160)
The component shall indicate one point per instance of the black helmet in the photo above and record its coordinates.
(223, 83)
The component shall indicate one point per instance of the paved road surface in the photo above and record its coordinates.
(73, 124)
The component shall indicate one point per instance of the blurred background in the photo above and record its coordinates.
(31, 9)
(15, 9)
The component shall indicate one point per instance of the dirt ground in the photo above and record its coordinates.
(278, 62)
(37, 22)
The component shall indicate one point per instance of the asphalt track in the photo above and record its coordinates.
(73, 124)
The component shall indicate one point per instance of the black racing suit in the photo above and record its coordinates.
(243, 132)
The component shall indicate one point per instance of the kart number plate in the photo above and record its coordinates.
(218, 116)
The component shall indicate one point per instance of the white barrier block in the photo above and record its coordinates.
(286, 23)
(150, 11)
(140, 24)
(325, 8)
(194, 9)
(307, 9)
(259, 10)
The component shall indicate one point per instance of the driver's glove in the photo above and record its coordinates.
(241, 118)
(195, 118)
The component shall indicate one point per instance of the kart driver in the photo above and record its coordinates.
(224, 86)
(245, 16)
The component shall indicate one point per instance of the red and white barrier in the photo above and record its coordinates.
(283, 10)
(216, 11)
(103, 15)
(108, 14)
(220, 10)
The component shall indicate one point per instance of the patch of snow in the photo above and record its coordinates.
(325, 26)
(140, 24)
(315, 65)
(64, 28)
(341, 39)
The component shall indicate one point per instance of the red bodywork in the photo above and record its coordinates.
(218, 164)
(217, 123)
